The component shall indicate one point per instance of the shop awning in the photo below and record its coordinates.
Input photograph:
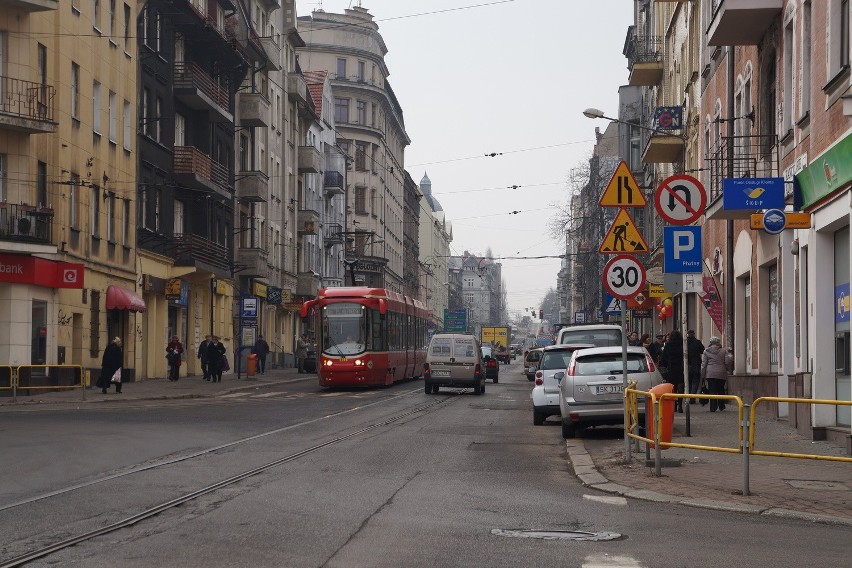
(118, 298)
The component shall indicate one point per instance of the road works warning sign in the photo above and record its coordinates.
(623, 237)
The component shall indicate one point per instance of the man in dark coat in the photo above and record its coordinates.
(694, 350)
(215, 359)
(261, 349)
(656, 349)
(110, 363)
(672, 358)
(202, 356)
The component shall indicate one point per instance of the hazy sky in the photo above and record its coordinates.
(513, 77)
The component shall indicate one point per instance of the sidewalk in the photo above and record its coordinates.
(814, 490)
(158, 389)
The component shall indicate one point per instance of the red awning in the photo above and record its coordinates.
(118, 298)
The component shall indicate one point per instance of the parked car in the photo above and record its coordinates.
(454, 360)
(531, 359)
(600, 335)
(592, 391)
(492, 364)
(545, 393)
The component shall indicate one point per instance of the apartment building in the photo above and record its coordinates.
(67, 182)
(370, 127)
(763, 89)
(434, 238)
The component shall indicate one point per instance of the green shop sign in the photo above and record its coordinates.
(826, 174)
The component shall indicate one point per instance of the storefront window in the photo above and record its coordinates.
(39, 334)
(842, 355)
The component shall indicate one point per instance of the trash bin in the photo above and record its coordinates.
(667, 406)
(251, 365)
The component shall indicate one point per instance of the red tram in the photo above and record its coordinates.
(367, 336)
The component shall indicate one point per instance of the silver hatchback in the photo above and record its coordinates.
(592, 391)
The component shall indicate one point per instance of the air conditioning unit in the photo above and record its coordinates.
(24, 226)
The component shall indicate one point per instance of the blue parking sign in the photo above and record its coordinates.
(682, 250)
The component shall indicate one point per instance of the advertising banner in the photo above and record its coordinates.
(25, 269)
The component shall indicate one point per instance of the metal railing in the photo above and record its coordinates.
(192, 76)
(191, 160)
(25, 223)
(191, 248)
(747, 421)
(753, 157)
(644, 49)
(26, 99)
(79, 378)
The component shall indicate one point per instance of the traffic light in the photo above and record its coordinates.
(541, 314)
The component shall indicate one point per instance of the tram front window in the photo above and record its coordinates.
(344, 329)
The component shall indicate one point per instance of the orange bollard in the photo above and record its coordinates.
(667, 409)
(251, 365)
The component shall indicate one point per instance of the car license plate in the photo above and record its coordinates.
(437, 373)
(609, 389)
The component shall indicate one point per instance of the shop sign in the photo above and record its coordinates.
(827, 173)
(23, 269)
(249, 308)
(259, 289)
(222, 288)
(177, 291)
(273, 295)
(286, 295)
(841, 303)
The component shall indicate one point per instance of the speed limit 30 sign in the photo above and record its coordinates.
(624, 276)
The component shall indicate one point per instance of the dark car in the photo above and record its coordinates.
(311, 359)
(492, 365)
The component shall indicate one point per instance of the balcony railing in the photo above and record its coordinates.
(333, 182)
(333, 234)
(27, 100)
(25, 223)
(192, 161)
(645, 49)
(191, 249)
(753, 157)
(202, 90)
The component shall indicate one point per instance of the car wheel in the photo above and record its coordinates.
(429, 388)
(538, 418)
(496, 380)
(480, 388)
(435, 389)
(569, 430)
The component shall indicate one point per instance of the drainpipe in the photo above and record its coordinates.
(729, 224)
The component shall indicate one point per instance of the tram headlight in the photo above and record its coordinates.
(359, 362)
(327, 362)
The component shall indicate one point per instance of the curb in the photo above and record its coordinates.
(588, 474)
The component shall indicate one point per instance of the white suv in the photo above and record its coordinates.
(545, 394)
(600, 335)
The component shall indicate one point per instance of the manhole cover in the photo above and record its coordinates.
(557, 535)
(816, 485)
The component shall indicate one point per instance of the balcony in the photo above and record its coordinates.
(26, 106)
(333, 183)
(195, 250)
(333, 235)
(33, 5)
(252, 186)
(252, 262)
(664, 149)
(253, 109)
(645, 60)
(193, 168)
(310, 160)
(198, 90)
(308, 222)
(307, 284)
(742, 22)
(297, 88)
(273, 52)
(25, 223)
(753, 157)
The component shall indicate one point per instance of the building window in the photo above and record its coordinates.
(74, 202)
(805, 103)
(125, 224)
(341, 68)
(361, 71)
(95, 211)
(158, 199)
(158, 113)
(96, 14)
(75, 7)
(41, 184)
(128, 126)
(362, 112)
(844, 33)
(361, 156)
(111, 217)
(3, 161)
(244, 153)
(75, 91)
(113, 118)
(787, 92)
(111, 22)
(143, 207)
(769, 104)
(180, 130)
(341, 110)
(373, 112)
(96, 108)
(178, 225)
(374, 202)
(126, 28)
(361, 200)
(838, 38)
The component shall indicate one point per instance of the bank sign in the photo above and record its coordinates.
(22, 269)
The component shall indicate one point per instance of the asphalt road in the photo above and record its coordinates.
(386, 477)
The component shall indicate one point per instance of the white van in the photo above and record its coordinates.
(599, 335)
(454, 360)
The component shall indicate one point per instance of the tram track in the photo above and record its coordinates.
(167, 505)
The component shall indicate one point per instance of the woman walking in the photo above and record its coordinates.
(215, 359)
(714, 369)
(174, 351)
(109, 365)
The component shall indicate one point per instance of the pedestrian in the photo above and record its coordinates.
(202, 356)
(174, 351)
(645, 341)
(672, 359)
(715, 363)
(301, 352)
(111, 363)
(633, 339)
(656, 349)
(215, 359)
(261, 349)
(694, 349)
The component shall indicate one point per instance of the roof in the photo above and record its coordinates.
(316, 84)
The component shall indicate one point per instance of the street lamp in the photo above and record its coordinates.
(592, 112)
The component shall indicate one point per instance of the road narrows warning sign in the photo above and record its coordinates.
(622, 190)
